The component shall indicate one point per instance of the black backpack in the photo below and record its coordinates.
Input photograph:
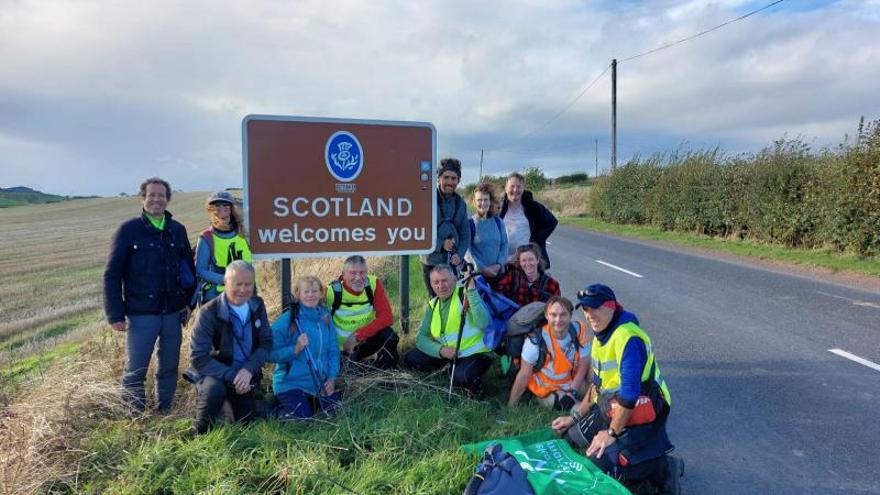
(499, 473)
(337, 295)
(536, 337)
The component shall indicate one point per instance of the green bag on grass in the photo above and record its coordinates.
(552, 466)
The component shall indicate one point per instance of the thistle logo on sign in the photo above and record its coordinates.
(344, 156)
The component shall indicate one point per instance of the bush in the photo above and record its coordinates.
(786, 194)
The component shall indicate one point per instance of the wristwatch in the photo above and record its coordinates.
(612, 434)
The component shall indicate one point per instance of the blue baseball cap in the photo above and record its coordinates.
(595, 296)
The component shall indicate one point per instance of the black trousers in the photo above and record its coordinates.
(209, 404)
(468, 372)
(383, 345)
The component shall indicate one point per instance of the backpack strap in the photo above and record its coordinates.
(336, 285)
(536, 337)
(473, 229)
(337, 296)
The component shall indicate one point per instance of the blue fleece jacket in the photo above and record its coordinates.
(292, 370)
(488, 242)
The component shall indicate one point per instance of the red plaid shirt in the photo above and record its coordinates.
(516, 286)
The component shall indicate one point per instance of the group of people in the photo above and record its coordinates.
(153, 282)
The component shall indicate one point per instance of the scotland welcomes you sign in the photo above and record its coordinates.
(330, 187)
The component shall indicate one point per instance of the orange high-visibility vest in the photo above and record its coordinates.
(557, 371)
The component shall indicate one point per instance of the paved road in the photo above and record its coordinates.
(760, 405)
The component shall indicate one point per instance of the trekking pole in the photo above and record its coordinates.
(310, 361)
(465, 307)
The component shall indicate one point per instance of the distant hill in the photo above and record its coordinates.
(20, 195)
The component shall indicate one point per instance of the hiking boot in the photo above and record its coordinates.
(674, 472)
(477, 391)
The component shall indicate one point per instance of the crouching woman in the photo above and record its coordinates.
(306, 355)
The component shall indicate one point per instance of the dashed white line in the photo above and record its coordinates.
(855, 302)
(853, 357)
(624, 270)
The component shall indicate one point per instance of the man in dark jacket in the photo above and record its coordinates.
(230, 343)
(525, 219)
(148, 282)
(453, 227)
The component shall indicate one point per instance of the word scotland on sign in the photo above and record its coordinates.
(330, 187)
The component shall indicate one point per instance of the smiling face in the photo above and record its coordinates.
(598, 318)
(155, 199)
(239, 286)
(443, 283)
(514, 188)
(308, 293)
(355, 276)
(223, 210)
(447, 182)
(558, 317)
(482, 203)
(529, 264)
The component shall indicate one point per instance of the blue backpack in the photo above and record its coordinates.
(499, 473)
(500, 310)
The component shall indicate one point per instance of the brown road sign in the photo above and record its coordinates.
(332, 187)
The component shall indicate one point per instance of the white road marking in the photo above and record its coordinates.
(855, 302)
(853, 357)
(624, 270)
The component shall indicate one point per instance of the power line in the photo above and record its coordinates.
(701, 33)
(558, 114)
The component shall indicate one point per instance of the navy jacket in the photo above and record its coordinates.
(541, 221)
(143, 273)
(211, 345)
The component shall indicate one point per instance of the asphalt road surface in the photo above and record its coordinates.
(760, 403)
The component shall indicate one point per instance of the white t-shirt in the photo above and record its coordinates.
(241, 311)
(517, 226)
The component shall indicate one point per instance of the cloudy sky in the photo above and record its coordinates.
(97, 95)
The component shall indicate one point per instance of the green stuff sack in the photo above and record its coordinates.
(552, 466)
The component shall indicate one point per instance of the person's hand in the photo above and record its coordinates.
(447, 352)
(329, 388)
(492, 270)
(600, 442)
(350, 343)
(301, 344)
(119, 326)
(449, 246)
(455, 260)
(242, 381)
(562, 423)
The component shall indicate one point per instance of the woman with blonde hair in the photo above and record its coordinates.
(306, 353)
(219, 245)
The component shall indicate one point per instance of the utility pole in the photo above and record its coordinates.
(613, 114)
(480, 178)
(597, 157)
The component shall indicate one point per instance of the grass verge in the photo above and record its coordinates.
(813, 258)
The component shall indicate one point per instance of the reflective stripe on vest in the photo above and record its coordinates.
(354, 313)
(447, 334)
(228, 250)
(556, 372)
(606, 360)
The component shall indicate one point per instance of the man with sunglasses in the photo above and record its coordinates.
(622, 421)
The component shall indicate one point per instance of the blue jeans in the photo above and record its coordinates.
(146, 332)
(298, 404)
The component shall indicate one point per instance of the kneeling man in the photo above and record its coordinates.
(230, 343)
(454, 311)
(362, 315)
(622, 423)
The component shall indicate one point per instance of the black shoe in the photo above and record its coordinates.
(674, 472)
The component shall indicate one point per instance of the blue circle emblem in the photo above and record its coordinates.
(344, 156)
